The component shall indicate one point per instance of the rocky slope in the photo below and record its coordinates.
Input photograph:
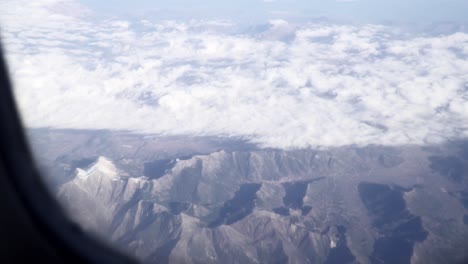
(208, 201)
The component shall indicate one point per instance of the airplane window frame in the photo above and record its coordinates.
(23, 178)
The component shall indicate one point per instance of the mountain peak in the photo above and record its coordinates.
(102, 166)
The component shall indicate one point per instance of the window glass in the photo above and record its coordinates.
(256, 131)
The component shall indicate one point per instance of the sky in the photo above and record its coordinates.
(278, 84)
(362, 11)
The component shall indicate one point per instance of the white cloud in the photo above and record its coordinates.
(327, 85)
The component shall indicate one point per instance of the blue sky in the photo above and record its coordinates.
(366, 11)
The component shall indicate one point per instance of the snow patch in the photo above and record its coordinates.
(103, 166)
(332, 243)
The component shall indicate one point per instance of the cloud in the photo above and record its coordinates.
(327, 85)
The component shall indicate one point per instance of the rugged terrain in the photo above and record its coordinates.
(210, 200)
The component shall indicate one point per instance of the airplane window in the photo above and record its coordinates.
(260, 131)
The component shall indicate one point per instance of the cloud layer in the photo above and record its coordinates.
(278, 85)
